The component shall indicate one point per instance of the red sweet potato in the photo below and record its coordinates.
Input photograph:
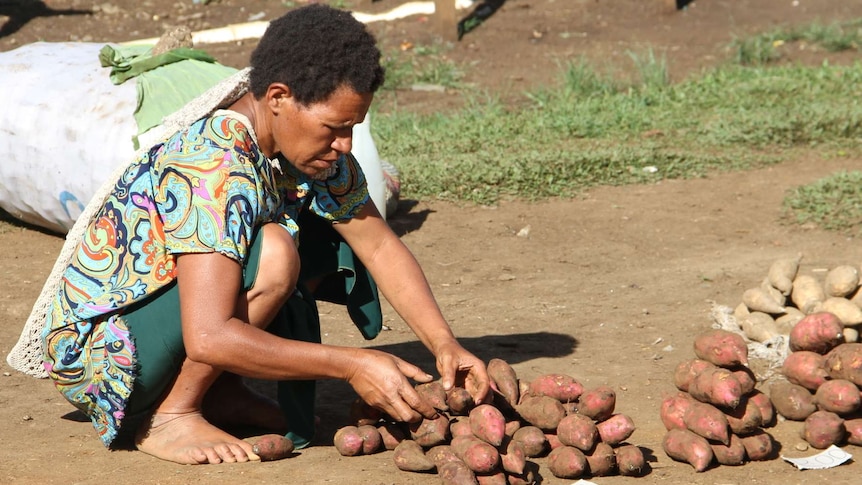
(505, 379)
(430, 431)
(845, 362)
(480, 456)
(764, 404)
(460, 427)
(578, 431)
(854, 431)
(567, 462)
(530, 476)
(818, 332)
(434, 394)
(792, 401)
(840, 396)
(806, 368)
(615, 429)
(823, 429)
(441, 454)
(456, 473)
(459, 401)
(561, 387)
(533, 439)
(673, 409)
(721, 347)
(271, 447)
(348, 441)
(497, 478)
(513, 457)
(409, 456)
(685, 371)
(488, 424)
(707, 421)
(601, 460)
(597, 403)
(745, 376)
(544, 412)
(687, 447)
(553, 441)
(392, 434)
(716, 386)
(372, 441)
(732, 453)
(630, 461)
(745, 419)
(759, 445)
(512, 427)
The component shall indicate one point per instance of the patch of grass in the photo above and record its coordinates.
(762, 49)
(833, 203)
(421, 64)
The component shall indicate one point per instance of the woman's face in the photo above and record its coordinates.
(312, 137)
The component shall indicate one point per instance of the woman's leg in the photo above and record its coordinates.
(177, 430)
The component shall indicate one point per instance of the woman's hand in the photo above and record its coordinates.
(383, 381)
(458, 367)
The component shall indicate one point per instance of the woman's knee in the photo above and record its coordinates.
(278, 270)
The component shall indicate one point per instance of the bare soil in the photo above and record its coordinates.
(610, 288)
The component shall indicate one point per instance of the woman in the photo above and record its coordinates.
(190, 274)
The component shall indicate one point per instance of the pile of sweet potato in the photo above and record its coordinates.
(717, 416)
(575, 431)
(786, 295)
(823, 377)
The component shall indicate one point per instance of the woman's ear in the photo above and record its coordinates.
(277, 95)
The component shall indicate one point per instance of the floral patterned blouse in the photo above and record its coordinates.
(205, 189)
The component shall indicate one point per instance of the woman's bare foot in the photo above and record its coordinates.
(187, 438)
(230, 403)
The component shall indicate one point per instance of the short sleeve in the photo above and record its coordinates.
(209, 189)
(344, 194)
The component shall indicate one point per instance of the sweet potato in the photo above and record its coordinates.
(409, 456)
(839, 396)
(841, 280)
(544, 412)
(511, 427)
(786, 322)
(732, 453)
(561, 387)
(348, 441)
(716, 386)
(759, 445)
(792, 401)
(372, 441)
(529, 477)
(782, 272)
(774, 293)
(745, 419)
(851, 335)
(764, 404)
(497, 478)
(430, 431)
(686, 371)
(806, 293)
(818, 332)
(597, 403)
(805, 368)
(721, 347)
(513, 457)
(687, 447)
(758, 300)
(441, 454)
(392, 434)
(457, 473)
(759, 326)
(601, 460)
(630, 461)
(673, 409)
(434, 394)
(847, 312)
(503, 376)
(460, 427)
(488, 424)
(845, 362)
(745, 376)
(480, 456)
(567, 462)
(578, 431)
(854, 431)
(362, 413)
(459, 401)
(615, 429)
(271, 447)
(533, 439)
(823, 429)
(708, 421)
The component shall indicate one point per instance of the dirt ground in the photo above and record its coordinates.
(610, 288)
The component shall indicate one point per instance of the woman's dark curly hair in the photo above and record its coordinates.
(314, 50)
